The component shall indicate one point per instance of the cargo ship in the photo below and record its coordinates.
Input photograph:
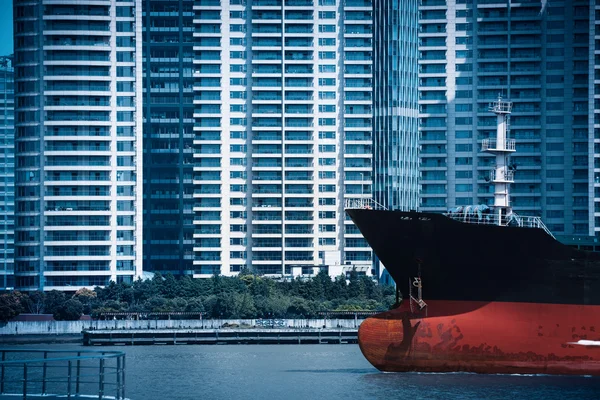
(483, 289)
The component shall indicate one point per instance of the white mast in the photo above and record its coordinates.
(501, 147)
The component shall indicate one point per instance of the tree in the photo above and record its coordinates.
(54, 300)
(87, 297)
(36, 302)
(11, 305)
(356, 287)
(245, 307)
(195, 305)
(70, 310)
(169, 287)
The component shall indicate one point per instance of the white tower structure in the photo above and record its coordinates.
(501, 176)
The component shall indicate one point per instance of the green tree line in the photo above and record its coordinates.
(243, 296)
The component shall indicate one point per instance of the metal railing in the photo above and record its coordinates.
(75, 374)
(492, 145)
(493, 219)
(363, 203)
(501, 106)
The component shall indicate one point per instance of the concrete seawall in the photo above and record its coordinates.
(76, 327)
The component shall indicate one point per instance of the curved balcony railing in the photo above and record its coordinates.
(76, 374)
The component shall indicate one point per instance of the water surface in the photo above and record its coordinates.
(313, 372)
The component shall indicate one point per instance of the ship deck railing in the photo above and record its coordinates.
(493, 219)
(363, 203)
(57, 374)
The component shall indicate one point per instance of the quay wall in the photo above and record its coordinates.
(76, 327)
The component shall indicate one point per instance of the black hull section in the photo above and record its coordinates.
(470, 262)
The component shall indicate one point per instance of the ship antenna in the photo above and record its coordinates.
(502, 176)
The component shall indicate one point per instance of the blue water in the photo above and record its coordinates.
(314, 372)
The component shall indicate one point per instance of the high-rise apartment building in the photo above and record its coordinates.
(283, 133)
(7, 174)
(78, 127)
(540, 56)
(396, 107)
(168, 35)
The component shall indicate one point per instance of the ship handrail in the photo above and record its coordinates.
(363, 203)
(492, 219)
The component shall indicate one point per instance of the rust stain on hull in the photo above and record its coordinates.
(492, 337)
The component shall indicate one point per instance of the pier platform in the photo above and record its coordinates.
(218, 336)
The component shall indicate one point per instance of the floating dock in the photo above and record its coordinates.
(218, 336)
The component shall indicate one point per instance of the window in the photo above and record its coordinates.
(237, 108)
(327, 95)
(326, 214)
(326, 41)
(237, 95)
(464, 67)
(237, 81)
(327, 148)
(327, 201)
(326, 81)
(237, 14)
(237, 148)
(326, 161)
(237, 55)
(238, 121)
(326, 228)
(237, 68)
(327, 55)
(238, 161)
(237, 174)
(237, 135)
(326, 68)
(326, 135)
(326, 174)
(326, 107)
(327, 28)
(464, 174)
(555, 146)
(237, 188)
(464, 187)
(237, 41)
(327, 14)
(326, 121)
(326, 241)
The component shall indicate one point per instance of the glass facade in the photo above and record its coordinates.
(77, 130)
(396, 107)
(7, 174)
(168, 136)
(283, 133)
(540, 59)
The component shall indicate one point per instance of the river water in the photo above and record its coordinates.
(313, 372)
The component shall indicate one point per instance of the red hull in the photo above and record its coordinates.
(494, 337)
